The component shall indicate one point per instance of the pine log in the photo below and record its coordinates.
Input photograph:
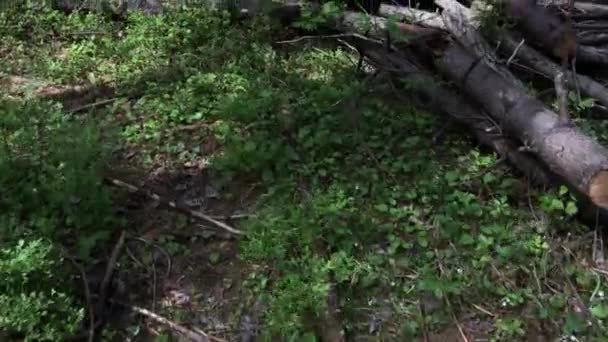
(455, 107)
(577, 158)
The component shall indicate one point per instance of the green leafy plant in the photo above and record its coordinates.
(50, 170)
(33, 301)
(52, 195)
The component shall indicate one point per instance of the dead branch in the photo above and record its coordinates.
(87, 295)
(105, 283)
(467, 35)
(568, 152)
(486, 131)
(444, 101)
(191, 335)
(162, 250)
(173, 205)
(92, 105)
(550, 69)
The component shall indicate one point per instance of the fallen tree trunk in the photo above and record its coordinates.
(423, 85)
(565, 150)
(576, 157)
(590, 186)
(457, 108)
(440, 99)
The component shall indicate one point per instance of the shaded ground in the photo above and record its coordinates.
(183, 267)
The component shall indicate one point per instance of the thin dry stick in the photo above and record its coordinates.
(174, 326)
(87, 295)
(449, 304)
(291, 41)
(231, 217)
(175, 206)
(92, 105)
(593, 251)
(581, 304)
(600, 271)
(341, 35)
(110, 268)
(515, 52)
(460, 330)
(150, 243)
(422, 313)
(201, 336)
(598, 282)
(213, 338)
(132, 256)
(482, 309)
(598, 245)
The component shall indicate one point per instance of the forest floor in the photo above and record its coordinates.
(333, 180)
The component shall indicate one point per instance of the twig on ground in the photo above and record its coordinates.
(425, 332)
(87, 295)
(154, 282)
(92, 105)
(449, 304)
(598, 283)
(458, 325)
(291, 41)
(484, 310)
(175, 206)
(231, 217)
(515, 51)
(172, 325)
(105, 283)
(199, 336)
(134, 258)
(334, 36)
(86, 33)
(579, 304)
(600, 271)
(162, 250)
(598, 248)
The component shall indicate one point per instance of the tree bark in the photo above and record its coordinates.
(464, 112)
(577, 158)
(539, 62)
